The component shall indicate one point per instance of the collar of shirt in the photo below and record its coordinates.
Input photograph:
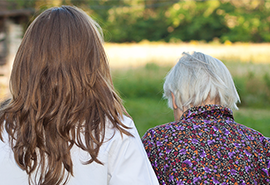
(207, 112)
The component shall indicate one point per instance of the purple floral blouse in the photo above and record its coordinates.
(208, 147)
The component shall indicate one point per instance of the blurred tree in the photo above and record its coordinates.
(173, 20)
(195, 21)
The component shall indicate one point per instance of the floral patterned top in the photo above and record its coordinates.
(208, 147)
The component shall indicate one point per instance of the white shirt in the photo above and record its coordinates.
(124, 159)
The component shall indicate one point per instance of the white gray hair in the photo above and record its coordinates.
(197, 77)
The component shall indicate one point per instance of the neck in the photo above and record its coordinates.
(211, 101)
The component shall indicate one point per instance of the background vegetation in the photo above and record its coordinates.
(173, 20)
(141, 89)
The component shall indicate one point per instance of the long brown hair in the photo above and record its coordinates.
(62, 94)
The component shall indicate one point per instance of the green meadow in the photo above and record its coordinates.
(141, 91)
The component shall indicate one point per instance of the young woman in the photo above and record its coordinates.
(64, 123)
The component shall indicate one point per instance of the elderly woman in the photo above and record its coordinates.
(205, 145)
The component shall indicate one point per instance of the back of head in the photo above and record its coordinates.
(60, 85)
(198, 77)
(61, 48)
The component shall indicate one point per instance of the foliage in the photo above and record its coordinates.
(205, 20)
(176, 20)
(195, 21)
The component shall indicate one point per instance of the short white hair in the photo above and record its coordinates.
(197, 77)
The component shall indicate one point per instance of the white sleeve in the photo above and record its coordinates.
(128, 163)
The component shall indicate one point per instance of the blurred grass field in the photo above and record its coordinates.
(141, 90)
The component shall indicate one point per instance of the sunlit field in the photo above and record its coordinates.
(134, 55)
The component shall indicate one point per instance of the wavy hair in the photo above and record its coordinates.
(62, 95)
(197, 77)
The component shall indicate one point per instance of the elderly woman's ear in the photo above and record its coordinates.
(173, 101)
(177, 112)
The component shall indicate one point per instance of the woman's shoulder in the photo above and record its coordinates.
(250, 133)
(161, 130)
(114, 135)
(127, 121)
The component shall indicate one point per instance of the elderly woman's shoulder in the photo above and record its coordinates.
(247, 130)
(251, 134)
(164, 126)
(161, 130)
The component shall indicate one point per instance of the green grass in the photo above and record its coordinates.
(148, 113)
(144, 82)
(258, 119)
(141, 89)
